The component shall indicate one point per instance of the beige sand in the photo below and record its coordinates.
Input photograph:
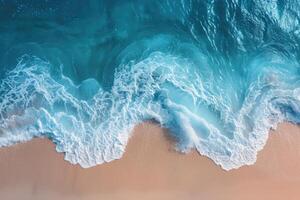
(150, 169)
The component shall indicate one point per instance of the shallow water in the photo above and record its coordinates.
(217, 74)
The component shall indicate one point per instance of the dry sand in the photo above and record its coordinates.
(150, 169)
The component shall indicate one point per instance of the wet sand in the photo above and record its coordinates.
(151, 169)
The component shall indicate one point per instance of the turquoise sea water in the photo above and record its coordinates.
(217, 74)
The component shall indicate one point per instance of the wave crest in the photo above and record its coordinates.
(223, 117)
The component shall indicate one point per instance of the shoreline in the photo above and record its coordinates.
(152, 169)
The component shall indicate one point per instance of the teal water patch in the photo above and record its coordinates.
(218, 75)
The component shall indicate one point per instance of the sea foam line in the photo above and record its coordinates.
(92, 127)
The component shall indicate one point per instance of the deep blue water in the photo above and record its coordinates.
(217, 74)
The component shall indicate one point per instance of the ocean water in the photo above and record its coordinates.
(218, 74)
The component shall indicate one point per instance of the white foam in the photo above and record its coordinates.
(95, 128)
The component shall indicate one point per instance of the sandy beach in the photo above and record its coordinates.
(151, 169)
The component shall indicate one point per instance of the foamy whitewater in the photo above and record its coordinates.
(217, 74)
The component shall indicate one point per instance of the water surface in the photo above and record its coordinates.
(217, 74)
